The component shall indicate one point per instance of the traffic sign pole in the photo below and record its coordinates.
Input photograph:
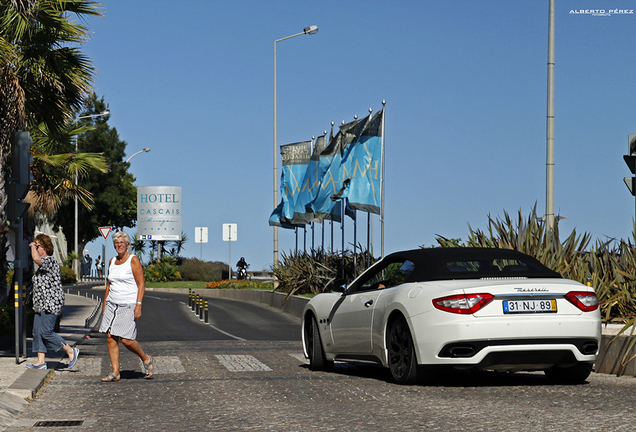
(228, 229)
(105, 231)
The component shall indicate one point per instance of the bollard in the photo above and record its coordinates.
(189, 296)
(194, 301)
(201, 310)
(196, 305)
(206, 311)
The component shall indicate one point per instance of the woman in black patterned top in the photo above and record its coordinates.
(48, 301)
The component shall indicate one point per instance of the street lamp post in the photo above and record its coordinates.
(310, 31)
(146, 150)
(105, 115)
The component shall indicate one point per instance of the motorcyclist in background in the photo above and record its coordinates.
(241, 269)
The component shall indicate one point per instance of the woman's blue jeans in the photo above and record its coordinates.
(44, 338)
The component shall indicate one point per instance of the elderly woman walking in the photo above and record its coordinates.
(48, 301)
(122, 307)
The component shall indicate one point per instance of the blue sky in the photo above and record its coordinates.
(465, 84)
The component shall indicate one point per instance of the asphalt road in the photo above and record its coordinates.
(257, 380)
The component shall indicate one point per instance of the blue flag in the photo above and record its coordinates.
(310, 184)
(295, 159)
(362, 168)
(330, 160)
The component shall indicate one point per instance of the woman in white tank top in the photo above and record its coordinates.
(122, 306)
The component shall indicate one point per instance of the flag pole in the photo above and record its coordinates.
(369, 233)
(355, 233)
(342, 229)
(322, 233)
(382, 187)
(367, 260)
(355, 242)
(331, 225)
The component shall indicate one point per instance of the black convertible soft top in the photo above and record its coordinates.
(470, 263)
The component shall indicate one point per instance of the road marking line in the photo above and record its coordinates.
(214, 327)
(156, 298)
(242, 363)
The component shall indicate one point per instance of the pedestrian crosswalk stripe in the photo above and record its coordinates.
(165, 365)
(242, 363)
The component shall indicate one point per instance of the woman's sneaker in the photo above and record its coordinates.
(32, 366)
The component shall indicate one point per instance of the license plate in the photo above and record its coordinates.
(529, 306)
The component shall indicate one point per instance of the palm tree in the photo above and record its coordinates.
(43, 76)
(54, 172)
(138, 246)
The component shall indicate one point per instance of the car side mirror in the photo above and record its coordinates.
(338, 285)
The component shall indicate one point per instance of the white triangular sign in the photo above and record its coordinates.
(105, 231)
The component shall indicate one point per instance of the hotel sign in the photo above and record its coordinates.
(159, 212)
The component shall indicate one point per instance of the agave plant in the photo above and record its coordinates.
(312, 273)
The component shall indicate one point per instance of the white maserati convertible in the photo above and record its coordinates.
(467, 308)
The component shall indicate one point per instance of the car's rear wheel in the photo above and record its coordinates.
(576, 374)
(402, 360)
(317, 360)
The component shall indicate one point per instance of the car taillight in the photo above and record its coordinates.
(586, 301)
(463, 303)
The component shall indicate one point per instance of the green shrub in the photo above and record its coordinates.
(68, 275)
(70, 257)
(192, 269)
(162, 270)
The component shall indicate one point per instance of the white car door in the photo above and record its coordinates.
(351, 322)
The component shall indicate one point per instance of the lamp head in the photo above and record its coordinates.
(147, 149)
(311, 30)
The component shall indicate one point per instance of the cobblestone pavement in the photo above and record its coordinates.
(266, 386)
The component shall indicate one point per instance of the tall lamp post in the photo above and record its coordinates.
(146, 150)
(309, 31)
(104, 115)
(549, 195)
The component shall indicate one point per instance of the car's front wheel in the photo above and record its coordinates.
(576, 374)
(317, 360)
(402, 360)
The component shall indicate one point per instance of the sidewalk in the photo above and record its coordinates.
(17, 383)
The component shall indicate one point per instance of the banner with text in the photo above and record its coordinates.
(159, 212)
(295, 158)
